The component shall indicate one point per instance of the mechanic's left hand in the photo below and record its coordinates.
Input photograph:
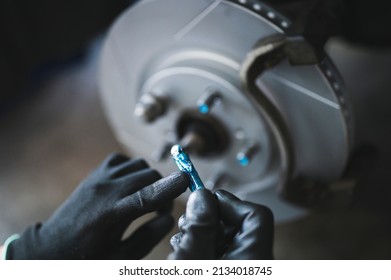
(91, 222)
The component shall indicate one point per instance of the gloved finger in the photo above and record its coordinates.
(114, 159)
(181, 221)
(102, 172)
(200, 230)
(145, 238)
(128, 167)
(176, 239)
(153, 196)
(131, 183)
(254, 225)
(225, 230)
(225, 235)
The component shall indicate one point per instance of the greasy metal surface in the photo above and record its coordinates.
(177, 49)
(184, 164)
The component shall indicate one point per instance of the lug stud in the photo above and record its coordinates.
(247, 153)
(150, 107)
(208, 100)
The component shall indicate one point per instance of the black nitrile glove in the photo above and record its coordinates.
(91, 222)
(221, 226)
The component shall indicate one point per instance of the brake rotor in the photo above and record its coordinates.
(162, 57)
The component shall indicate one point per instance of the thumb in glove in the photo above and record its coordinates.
(198, 236)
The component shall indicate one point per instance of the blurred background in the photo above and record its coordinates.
(53, 131)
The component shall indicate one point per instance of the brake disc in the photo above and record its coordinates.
(162, 59)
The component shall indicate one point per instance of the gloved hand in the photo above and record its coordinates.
(221, 226)
(91, 222)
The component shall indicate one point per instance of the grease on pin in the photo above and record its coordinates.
(184, 164)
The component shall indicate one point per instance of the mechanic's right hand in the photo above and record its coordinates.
(91, 222)
(222, 226)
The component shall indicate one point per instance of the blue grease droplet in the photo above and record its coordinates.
(204, 109)
(243, 160)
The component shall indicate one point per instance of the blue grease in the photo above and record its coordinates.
(203, 108)
(243, 160)
(184, 164)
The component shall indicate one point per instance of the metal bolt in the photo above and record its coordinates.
(208, 100)
(192, 142)
(150, 107)
(247, 153)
